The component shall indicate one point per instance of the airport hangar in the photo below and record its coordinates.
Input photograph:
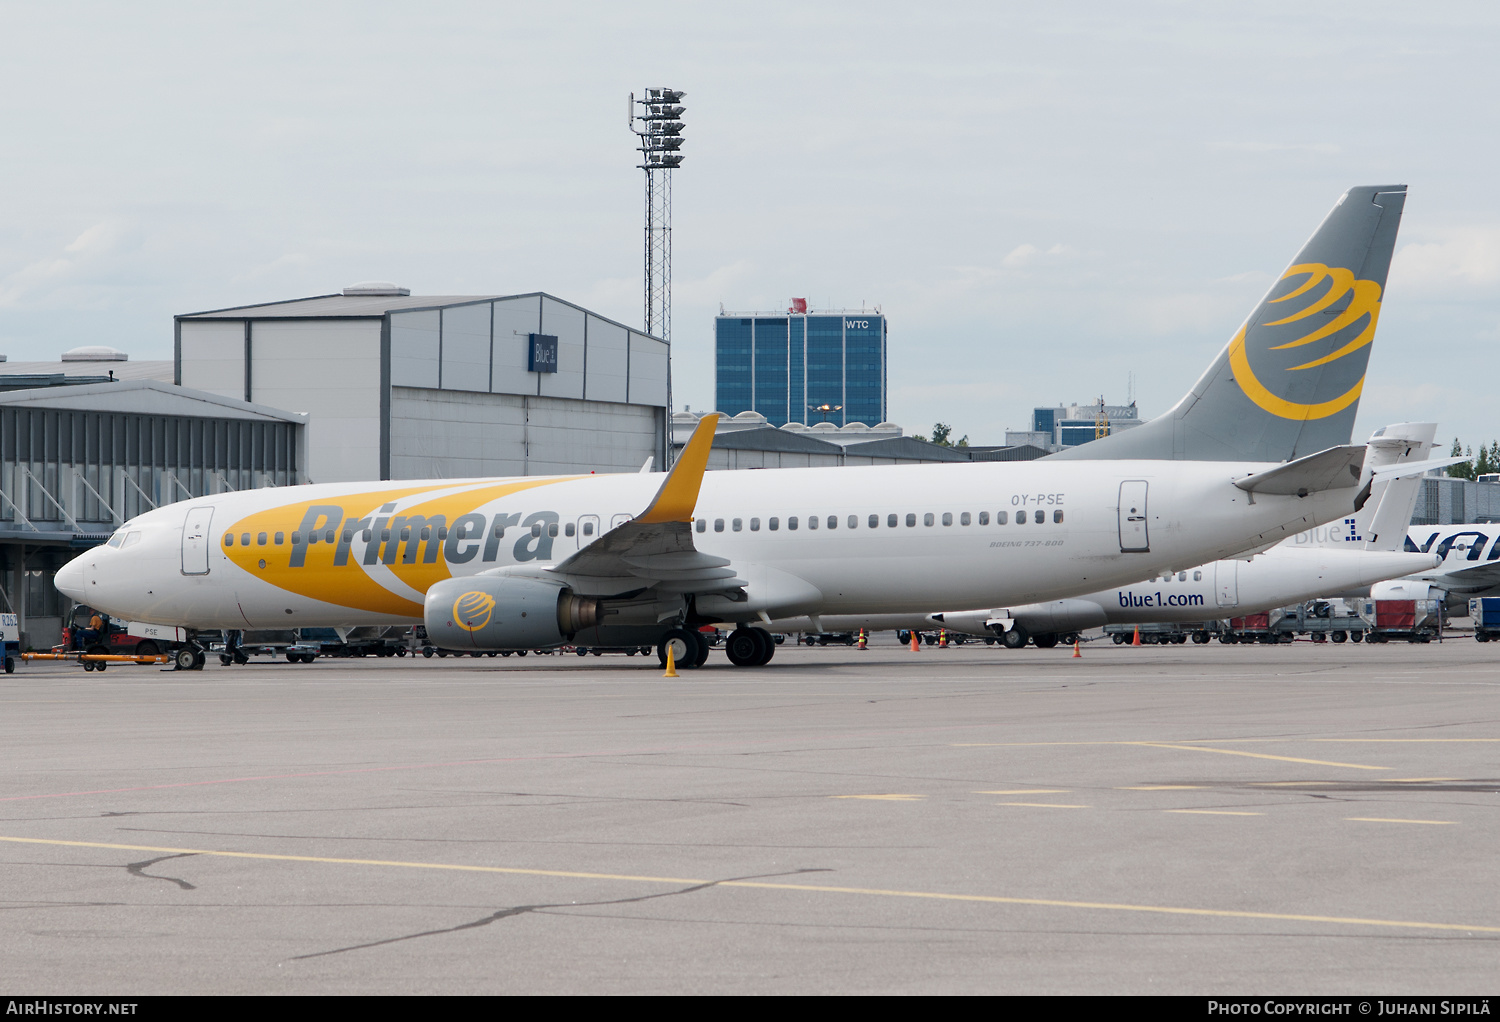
(403, 387)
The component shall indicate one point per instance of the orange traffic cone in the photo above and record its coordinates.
(1076, 654)
(916, 641)
(942, 638)
(1137, 640)
(671, 663)
(863, 644)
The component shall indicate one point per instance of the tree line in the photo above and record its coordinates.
(1485, 463)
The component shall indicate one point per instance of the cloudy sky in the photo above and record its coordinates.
(1043, 198)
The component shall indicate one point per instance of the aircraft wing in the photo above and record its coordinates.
(655, 548)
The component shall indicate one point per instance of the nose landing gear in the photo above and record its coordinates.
(189, 658)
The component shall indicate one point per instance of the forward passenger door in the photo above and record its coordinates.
(195, 541)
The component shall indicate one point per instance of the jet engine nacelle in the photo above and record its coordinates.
(503, 612)
(1405, 589)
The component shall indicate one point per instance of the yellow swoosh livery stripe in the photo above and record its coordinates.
(351, 584)
(1363, 304)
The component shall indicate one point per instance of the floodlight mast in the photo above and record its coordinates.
(659, 129)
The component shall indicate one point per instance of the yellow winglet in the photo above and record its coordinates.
(678, 495)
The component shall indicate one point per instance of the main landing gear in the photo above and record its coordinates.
(689, 648)
(746, 647)
(750, 647)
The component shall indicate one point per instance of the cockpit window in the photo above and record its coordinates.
(131, 539)
(115, 540)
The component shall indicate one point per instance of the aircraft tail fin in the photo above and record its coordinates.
(1288, 384)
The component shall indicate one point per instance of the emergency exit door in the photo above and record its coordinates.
(1133, 537)
(195, 541)
(588, 529)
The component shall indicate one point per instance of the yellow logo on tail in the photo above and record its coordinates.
(1363, 303)
(472, 610)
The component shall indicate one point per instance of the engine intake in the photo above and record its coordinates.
(499, 612)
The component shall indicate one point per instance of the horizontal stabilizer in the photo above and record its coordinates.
(1413, 468)
(1333, 469)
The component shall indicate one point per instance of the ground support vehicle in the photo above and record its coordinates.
(1484, 611)
(934, 638)
(1255, 628)
(1412, 620)
(116, 637)
(238, 647)
(130, 639)
(1164, 632)
(835, 638)
(350, 642)
(10, 638)
(1323, 621)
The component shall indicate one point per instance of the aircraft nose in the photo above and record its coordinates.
(69, 580)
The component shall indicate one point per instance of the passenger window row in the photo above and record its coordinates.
(332, 535)
(892, 521)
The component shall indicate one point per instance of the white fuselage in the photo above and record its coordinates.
(1284, 575)
(244, 560)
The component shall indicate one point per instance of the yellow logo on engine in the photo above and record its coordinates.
(472, 610)
(1360, 302)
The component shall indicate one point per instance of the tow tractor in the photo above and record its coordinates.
(127, 642)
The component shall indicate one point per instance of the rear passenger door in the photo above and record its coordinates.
(1133, 534)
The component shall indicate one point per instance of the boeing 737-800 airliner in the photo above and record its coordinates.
(1257, 451)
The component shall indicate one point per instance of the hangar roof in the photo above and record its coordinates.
(146, 397)
(337, 307)
(907, 447)
(340, 306)
(769, 438)
(90, 370)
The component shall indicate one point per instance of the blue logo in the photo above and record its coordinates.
(542, 357)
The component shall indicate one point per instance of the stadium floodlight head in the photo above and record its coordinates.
(658, 127)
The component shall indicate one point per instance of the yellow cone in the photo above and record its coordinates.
(671, 663)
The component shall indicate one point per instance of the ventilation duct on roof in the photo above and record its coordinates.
(377, 287)
(95, 353)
